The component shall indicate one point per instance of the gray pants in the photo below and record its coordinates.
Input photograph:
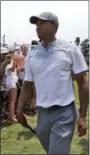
(55, 128)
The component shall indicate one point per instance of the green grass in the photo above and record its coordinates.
(15, 139)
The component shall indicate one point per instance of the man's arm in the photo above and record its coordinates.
(83, 89)
(20, 69)
(79, 68)
(26, 93)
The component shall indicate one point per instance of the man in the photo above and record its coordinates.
(21, 61)
(85, 50)
(17, 51)
(4, 61)
(77, 41)
(50, 65)
(34, 43)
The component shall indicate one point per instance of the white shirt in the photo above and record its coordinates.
(50, 69)
(11, 77)
(79, 46)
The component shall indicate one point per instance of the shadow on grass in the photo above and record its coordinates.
(85, 146)
(26, 135)
(6, 124)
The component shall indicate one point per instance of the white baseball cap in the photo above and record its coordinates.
(48, 16)
(4, 50)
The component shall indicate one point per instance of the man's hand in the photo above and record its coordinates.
(20, 116)
(81, 127)
(21, 119)
(20, 69)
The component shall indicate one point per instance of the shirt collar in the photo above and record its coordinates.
(50, 44)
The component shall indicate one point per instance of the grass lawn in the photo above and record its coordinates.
(15, 139)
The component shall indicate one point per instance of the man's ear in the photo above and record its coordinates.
(56, 28)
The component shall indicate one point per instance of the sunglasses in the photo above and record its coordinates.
(4, 54)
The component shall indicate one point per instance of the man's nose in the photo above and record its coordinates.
(38, 24)
(38, 28)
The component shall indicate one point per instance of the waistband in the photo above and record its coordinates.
(54, 107)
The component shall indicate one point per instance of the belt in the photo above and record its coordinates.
(54, 107)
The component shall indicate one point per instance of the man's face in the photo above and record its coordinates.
(44, 29)
(11, 53)
(77, 41)
(3, 57)
(24, 50)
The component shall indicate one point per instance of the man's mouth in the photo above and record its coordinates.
(38, 32)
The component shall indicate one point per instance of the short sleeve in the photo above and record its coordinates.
(28, 70)
(78, 60)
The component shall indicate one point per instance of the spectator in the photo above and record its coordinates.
(34, 44)
(85, 50)
(21, 60)
(4, 61)
(77, 41)
(11, 86)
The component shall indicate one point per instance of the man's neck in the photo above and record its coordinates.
(48, 40)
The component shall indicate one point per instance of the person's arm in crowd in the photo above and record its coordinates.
(2, 69)
(20, 69)
(20, 66)
(14, 63)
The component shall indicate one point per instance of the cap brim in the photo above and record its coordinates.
(4, 52)
(34, 19)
